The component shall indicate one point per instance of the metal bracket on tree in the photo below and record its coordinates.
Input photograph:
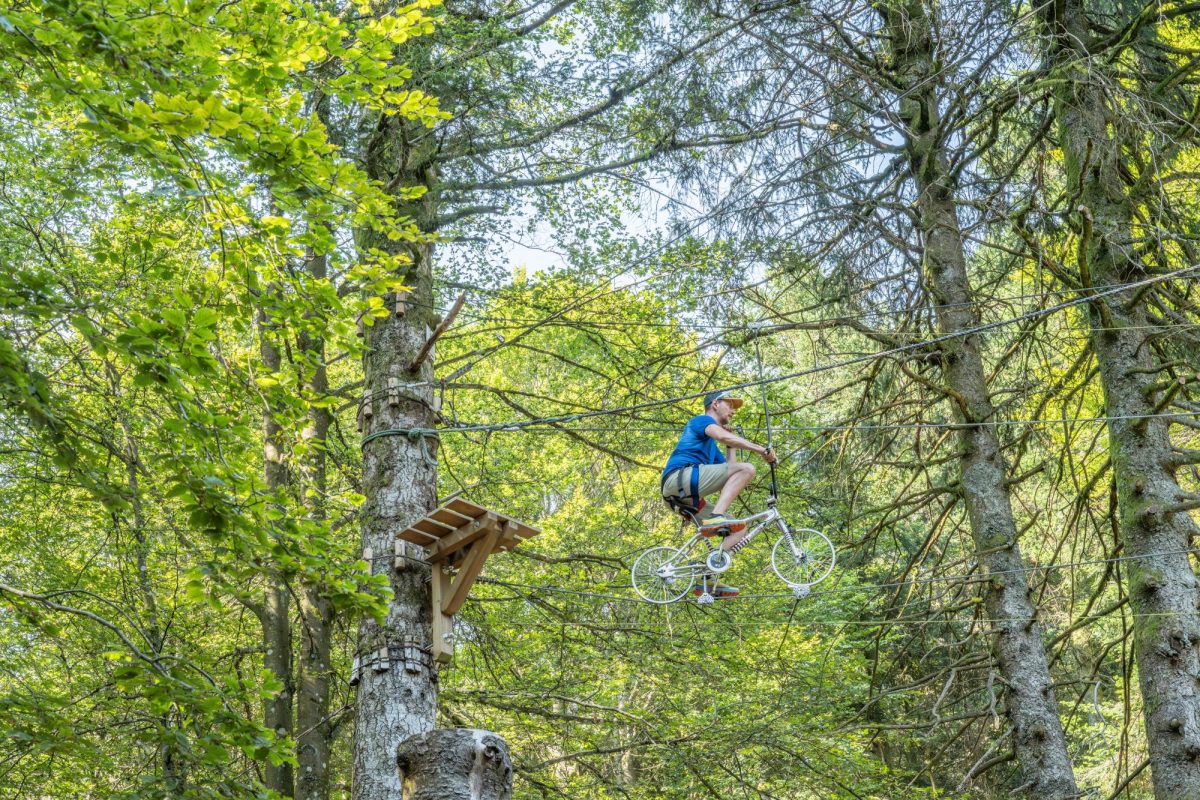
(460, 536)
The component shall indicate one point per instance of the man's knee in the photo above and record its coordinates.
(745, 470)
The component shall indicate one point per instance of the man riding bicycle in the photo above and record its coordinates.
(697, 469)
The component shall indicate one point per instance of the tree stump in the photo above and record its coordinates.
(455, 764)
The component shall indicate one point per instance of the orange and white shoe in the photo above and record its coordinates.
(719, 523)
(720, 591)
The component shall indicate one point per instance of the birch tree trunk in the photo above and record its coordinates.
(1161, 583)
(397, 682)
(1030, 703)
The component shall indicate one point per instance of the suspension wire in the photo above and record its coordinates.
(866, 358)
(897, 426)
(965, 578)
(869, 313)
(1167, 327)
(766, 420)
(783, 316)
(641, 627)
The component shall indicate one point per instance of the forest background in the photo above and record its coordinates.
(962, 236)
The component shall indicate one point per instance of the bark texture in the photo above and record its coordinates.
(1160, 581)
(1030, 703)
(397, 688)
(455, 764)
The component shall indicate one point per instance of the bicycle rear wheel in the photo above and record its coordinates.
(803, 557)
(663, 575)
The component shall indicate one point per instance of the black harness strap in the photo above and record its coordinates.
(676, 499)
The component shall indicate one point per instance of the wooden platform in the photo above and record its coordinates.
(447, 532)
(460, 534)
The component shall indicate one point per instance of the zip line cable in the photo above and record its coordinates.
(968, 578)
(879, 427)
(642, 627)
(965, 578)
(783, 322)
(869, 357)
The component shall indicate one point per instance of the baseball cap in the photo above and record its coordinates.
(722, 394)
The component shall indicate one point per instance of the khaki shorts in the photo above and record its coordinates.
(712, 480)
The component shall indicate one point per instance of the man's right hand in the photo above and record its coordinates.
(770, 457)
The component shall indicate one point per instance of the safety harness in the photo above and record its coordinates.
(687, 505)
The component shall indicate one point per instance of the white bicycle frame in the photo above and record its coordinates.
(672, 570)
(764, 518)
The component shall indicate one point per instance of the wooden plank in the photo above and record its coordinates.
(417, 537)
(509, 544)
(451, 518)
(452, 546)
(433, 527)
(440, 647)
(462, 537)
(470, 570)
(466, 508)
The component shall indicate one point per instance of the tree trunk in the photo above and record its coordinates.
(1030, 703)
(455, 764)
(274, 611)
(314, 728)
(1161, 583)
(397, 683)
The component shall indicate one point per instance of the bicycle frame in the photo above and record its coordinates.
(763, 520)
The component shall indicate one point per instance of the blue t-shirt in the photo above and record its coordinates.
(695, 446)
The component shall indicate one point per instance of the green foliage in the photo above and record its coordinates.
(141, 146)
(170, 172)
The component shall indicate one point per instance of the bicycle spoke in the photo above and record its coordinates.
(803, 557)
(664, 574)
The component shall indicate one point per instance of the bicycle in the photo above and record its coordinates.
(802, 558)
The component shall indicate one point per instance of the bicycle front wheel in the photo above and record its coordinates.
(661, 575)
(803, 557)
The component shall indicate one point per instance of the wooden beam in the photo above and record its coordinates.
(440, 648)
(508, 535)
(461, 537)
(427, 348)
(470, 569)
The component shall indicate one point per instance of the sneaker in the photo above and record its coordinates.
(716, 522)
(719, 591)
